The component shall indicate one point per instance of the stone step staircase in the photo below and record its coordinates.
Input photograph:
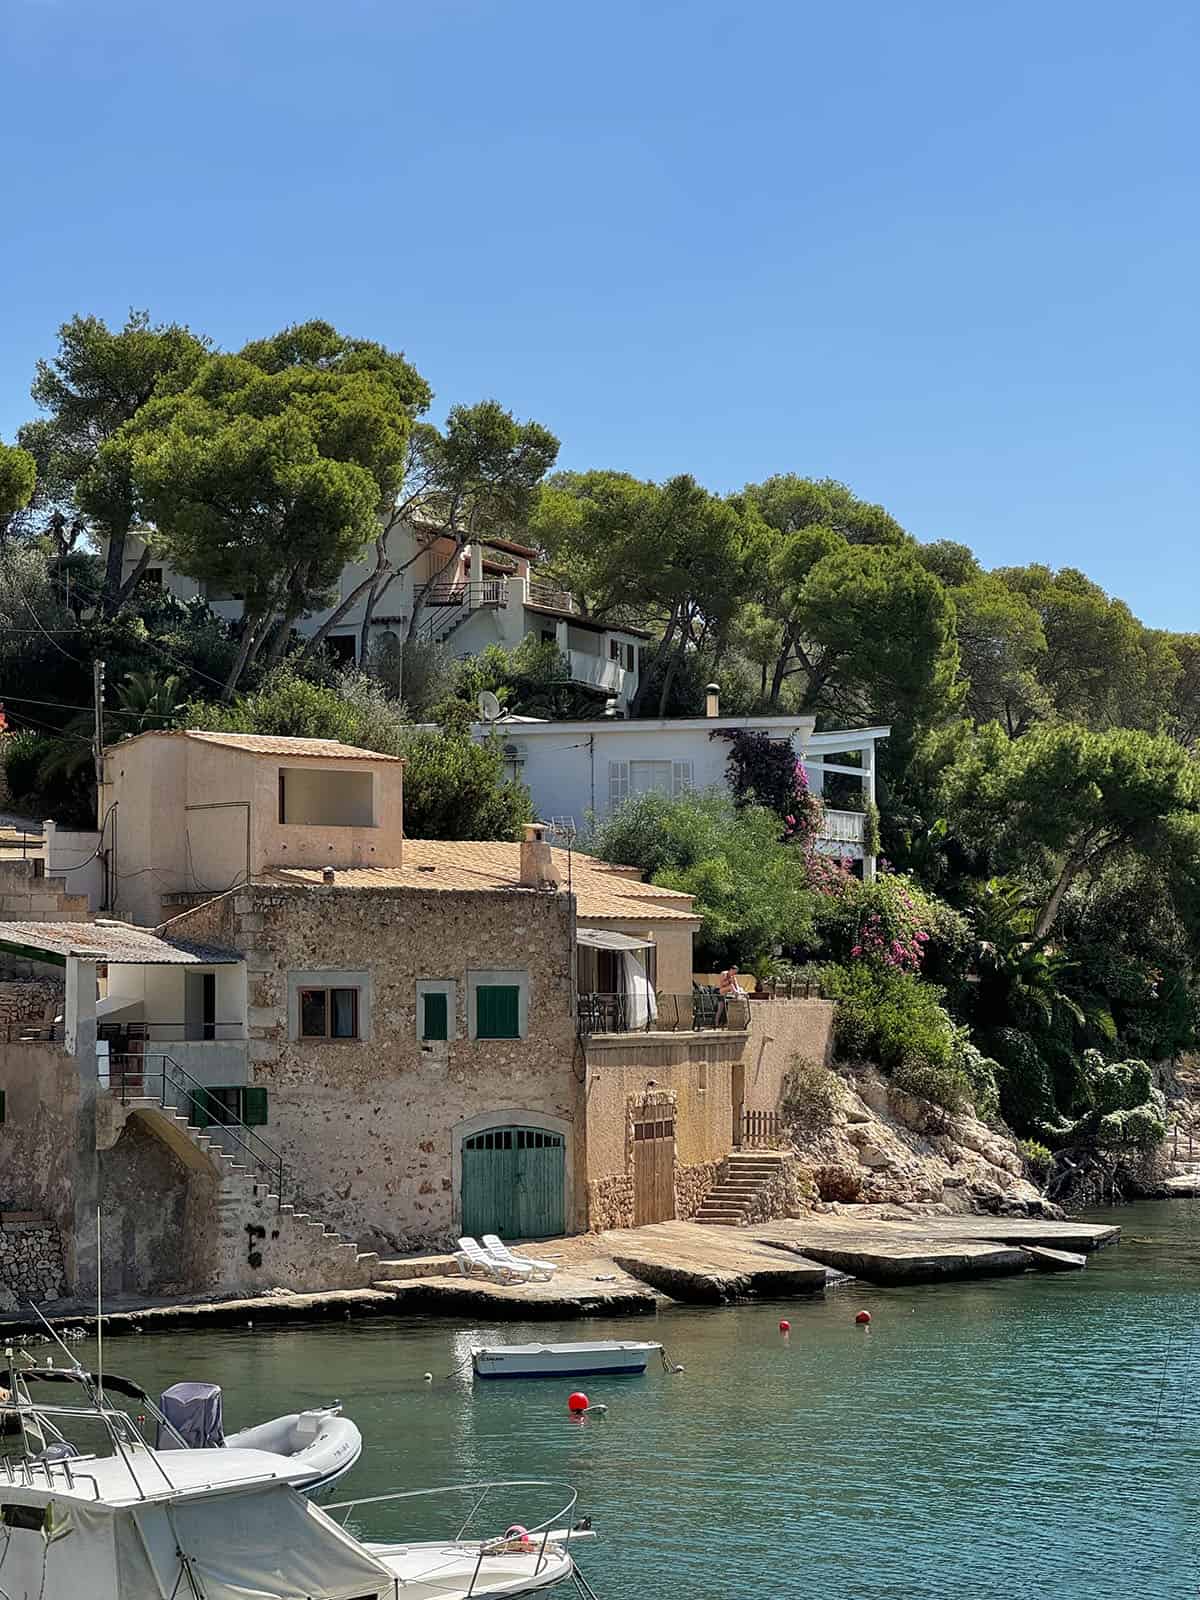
(744, 1175)
(243, 1189)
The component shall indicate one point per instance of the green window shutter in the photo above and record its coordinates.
(497, 1011)
(199, 1115)
(437, 1016)
(254, 1106)
(3, 1107)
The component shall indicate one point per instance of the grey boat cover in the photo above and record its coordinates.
(194, 1410)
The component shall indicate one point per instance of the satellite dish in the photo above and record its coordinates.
(489, 706)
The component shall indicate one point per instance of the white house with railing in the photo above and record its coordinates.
(481, 595)
(576, 771)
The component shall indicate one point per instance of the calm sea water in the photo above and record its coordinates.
(1013, 1438)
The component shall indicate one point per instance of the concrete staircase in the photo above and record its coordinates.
(28, 895)
(744, 1175)
(306, 1251)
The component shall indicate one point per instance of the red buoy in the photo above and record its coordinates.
(863, 1317)
(577, 1402)
(785, 1327)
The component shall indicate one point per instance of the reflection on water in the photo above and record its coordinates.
(1009, 1438)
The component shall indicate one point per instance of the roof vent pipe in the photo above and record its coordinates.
(326, 874)
(712, 700)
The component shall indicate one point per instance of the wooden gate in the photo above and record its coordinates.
(653, 1164)
(513, 1183)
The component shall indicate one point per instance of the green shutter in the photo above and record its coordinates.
(437, 1016)
(497, 1011)
(199, 1116)
(3, 1107)
(254, 1106)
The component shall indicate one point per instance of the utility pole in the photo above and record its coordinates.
(98, 735)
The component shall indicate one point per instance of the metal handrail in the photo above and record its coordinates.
(481, 1490)
(151, 1031)
(129, 1081)
(452, 603)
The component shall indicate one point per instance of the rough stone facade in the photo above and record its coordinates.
(32, 1000)
(373, 1127)
(31, 1264)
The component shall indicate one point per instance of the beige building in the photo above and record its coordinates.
(196, 813)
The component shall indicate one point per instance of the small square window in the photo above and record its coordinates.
(329, 1013)
(497, 1011)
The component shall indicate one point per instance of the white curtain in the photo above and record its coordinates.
(640, 1006)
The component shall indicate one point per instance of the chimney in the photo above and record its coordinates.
(537, 861)
(326, 874)
(712, 699)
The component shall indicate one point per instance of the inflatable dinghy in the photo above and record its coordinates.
(322, 1441)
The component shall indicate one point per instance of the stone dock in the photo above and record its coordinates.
(639, 1271)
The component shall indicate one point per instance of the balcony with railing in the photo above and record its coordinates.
(700, 1011)
(841, 832)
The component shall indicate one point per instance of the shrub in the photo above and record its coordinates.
(945, 1086)
(981, 1073)
(891, 921)
(751, 891)
(811, 1095)
(1037, 1158)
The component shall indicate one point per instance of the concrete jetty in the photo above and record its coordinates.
(638, 1271)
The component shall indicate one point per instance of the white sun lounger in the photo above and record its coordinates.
(474, 1261)
(499, 1250)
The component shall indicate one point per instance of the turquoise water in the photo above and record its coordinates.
(1012, 1438)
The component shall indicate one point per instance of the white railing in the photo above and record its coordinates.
(842, 827)
(597, 671)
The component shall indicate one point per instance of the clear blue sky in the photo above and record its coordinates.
(946, 252)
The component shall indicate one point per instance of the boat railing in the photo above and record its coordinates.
(563, 1518)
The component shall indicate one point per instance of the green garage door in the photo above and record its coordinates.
(512, 1183)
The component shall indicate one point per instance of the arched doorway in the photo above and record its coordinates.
(514, 1181)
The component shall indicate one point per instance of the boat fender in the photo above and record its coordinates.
(518, 1537)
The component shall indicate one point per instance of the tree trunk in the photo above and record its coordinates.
(643, 689)
(378, 590)
(131, 583)
(113, 567)
(249, 628)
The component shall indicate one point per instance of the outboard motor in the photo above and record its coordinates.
(194, 1411)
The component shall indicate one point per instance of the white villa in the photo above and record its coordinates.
(486, 595)
(575, 770)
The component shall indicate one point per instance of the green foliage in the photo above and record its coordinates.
(751, 890)
(356, 711)
(896, 1020)
(18, 479)
(1037, 1158)
(455, 788)
(892, 921)
(1124, 1109)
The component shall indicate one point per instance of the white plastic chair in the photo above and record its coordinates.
(496, 1248)
(474, 1261)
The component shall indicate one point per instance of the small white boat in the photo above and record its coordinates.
(578, 1360)
(324, 1441)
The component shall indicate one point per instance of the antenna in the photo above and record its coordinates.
(489, 707)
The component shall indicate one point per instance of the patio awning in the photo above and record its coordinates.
(605, 939)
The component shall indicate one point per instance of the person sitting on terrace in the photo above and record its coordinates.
(729, 986)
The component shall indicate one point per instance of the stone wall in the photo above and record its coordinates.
(39, 1137)
(34, 1000)
(31, 1264)
(781, 1030)
(373, 1128)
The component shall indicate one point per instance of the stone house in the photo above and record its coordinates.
(366, 1043)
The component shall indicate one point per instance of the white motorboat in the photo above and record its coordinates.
(322, 1443)
(228, 1522)
(578, 1360)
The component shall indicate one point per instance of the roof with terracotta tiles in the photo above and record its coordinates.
(266, 744)
(603, 892)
